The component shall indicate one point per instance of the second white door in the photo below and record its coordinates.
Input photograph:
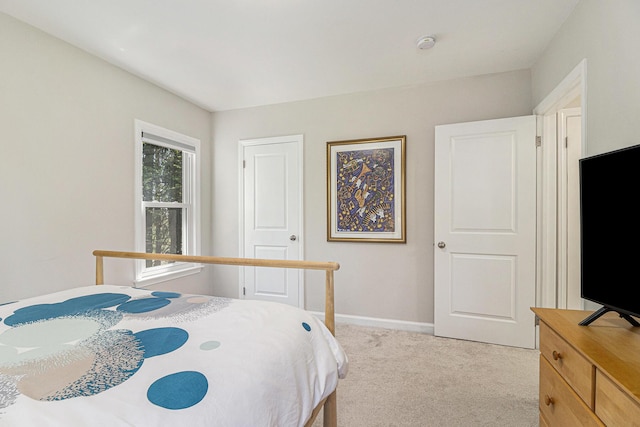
(485, 231)
(569, 122)
(270, 204)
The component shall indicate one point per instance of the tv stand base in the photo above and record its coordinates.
(604, 310)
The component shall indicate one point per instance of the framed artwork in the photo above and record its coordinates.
(366, 190)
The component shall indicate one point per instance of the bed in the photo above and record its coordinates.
(117, 355)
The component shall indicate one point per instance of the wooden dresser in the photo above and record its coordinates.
(589, 375)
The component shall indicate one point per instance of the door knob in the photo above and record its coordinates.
(442, 245)
(293, 237)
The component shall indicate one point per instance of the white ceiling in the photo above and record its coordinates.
(228, 54)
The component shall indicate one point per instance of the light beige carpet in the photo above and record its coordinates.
(401, 378)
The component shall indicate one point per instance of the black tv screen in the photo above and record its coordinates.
(610, 232)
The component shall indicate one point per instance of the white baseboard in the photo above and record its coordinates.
(374, 322)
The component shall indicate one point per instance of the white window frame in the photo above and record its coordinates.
(150, 133)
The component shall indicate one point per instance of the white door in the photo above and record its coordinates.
(485, 231)
(569, 153)
(271, 224)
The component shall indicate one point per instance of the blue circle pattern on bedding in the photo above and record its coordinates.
(86, 321)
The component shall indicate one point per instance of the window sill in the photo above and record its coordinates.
(154, 279)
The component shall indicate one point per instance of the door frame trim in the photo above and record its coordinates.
(572, 86)
(299, 140)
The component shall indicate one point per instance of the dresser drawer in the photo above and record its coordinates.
(543, 422)
(559, 404)
(573, 367)
(613, 406)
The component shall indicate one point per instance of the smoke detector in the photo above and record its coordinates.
(426, 42)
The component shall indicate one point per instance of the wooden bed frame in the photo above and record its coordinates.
(330, 414)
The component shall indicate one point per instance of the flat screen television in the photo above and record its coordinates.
(610, 232)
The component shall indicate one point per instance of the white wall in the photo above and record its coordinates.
(607, 34)
(388, 281)
(66, 163)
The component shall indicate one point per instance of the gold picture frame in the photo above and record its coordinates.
(366, 190)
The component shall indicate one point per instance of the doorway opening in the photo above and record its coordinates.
(562, 126)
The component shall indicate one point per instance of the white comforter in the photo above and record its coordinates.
(113, 355)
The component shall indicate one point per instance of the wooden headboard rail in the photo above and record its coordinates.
(328, 267)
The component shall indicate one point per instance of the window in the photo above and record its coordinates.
(167, 196)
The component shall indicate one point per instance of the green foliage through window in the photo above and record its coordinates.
(161, 174)
(162, 181)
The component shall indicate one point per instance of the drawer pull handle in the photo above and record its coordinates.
(556, 355)
(548, 400)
